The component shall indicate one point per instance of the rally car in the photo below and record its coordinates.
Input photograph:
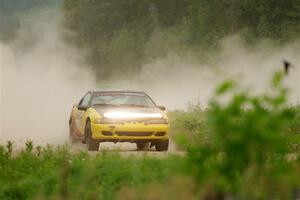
(119, 116)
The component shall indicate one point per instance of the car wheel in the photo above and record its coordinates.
(142, 145)
(91, 144)
(162, 145)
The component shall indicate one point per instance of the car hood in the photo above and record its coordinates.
(103, 109)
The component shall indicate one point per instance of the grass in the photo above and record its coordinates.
(52, 173)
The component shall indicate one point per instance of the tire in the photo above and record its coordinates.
(91, 144)
(142, 145)
(162, 145)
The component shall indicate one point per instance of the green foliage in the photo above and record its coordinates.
(247, 138)
(189, 127)
(51, 173)
(227, 85)
(118, 35)
(121, 36)
(266, 19)
(243, 146)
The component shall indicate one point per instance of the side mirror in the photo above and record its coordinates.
(82, 108)
(162, 108)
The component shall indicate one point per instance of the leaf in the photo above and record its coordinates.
(225, 87)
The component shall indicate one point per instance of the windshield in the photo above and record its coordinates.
(122, 99)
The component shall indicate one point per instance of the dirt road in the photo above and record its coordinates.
(127, 149)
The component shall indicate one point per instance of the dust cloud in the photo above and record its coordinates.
(42, 77)
(176, 80)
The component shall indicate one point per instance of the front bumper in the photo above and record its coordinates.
(130, 132)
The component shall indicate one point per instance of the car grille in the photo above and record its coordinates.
(160, 133)
(126, 133)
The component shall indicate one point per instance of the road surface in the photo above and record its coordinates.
(127, 149)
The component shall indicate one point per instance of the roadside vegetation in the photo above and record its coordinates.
(196, 123)
(241, 147)
(55, 173)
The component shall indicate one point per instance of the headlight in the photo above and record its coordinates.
(157, 121)
(130, 115)
(114, 121)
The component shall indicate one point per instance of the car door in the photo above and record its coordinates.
(85, 101)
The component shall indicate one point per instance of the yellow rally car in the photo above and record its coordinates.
(119, 116)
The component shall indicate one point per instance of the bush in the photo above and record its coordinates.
(53, 172)
(189, 126)
(246, 156)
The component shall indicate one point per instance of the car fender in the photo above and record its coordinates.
(90, 114)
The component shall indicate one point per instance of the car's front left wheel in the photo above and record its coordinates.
(91, 144)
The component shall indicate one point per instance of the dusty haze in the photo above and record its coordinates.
(41, 78)
(40, 81)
